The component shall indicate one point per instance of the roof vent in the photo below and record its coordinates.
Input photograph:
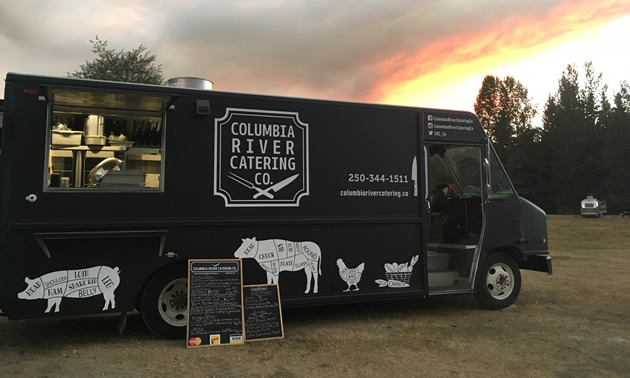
(190, 82)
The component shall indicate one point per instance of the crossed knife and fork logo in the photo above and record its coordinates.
(262, 192)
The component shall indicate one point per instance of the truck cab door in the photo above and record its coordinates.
(504, 220)
(455, 191)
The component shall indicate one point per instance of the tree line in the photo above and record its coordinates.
(582, 147)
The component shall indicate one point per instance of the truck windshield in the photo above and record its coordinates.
(457, 167)
(500, 184)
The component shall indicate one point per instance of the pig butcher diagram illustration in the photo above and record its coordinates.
(276, 256)
(80, 283)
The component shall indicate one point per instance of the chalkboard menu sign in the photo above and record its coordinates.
(215, 298)
(263, 313)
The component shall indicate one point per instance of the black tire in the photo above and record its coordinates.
(498, 281)
(164, 302)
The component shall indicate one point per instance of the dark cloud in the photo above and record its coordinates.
(325, 48)
(315, 48)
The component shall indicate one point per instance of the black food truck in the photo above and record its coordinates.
(108, 189)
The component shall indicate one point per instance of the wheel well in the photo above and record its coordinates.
(182, 263)
(511, 251)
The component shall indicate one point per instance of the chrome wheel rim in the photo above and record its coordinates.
(173, 302)
(500, 281)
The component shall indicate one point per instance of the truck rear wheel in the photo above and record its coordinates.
(498, 281)
(164, 303)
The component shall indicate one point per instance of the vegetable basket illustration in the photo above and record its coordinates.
(398, 275)
(401, 277)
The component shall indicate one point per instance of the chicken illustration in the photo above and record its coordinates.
(351, 276)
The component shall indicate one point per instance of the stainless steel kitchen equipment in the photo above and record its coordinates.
(94, 130)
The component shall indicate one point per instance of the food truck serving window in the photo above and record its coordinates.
(104, 141)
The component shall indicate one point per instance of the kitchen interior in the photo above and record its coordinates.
(105, 140)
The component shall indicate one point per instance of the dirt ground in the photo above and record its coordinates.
(574, 323)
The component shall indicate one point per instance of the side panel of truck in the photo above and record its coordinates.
(358, 214)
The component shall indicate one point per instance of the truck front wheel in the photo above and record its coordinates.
(498, 281)
(164, 303)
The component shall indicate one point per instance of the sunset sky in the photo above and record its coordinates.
(411, 52)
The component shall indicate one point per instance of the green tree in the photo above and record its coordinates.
(574, 137)
(616, 185)
(588, 95)
(505, 111)
(487, 103)
(135, 66)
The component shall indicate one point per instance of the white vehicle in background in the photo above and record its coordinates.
(592, 207)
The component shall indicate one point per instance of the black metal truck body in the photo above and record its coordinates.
(107, 189)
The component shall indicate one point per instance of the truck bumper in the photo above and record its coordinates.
(590, 212)
(538, 263)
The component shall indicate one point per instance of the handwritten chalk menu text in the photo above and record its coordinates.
(263, 313)
(215, 298)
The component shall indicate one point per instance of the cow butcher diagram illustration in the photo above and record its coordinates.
(80, 283)
(276, 256)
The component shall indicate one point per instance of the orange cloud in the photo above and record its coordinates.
(455, 57)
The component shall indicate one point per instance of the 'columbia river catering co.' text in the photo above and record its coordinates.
(253, 148)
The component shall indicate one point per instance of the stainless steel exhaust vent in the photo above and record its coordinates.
(189, 82)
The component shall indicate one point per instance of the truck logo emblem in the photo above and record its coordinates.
(260, 158)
